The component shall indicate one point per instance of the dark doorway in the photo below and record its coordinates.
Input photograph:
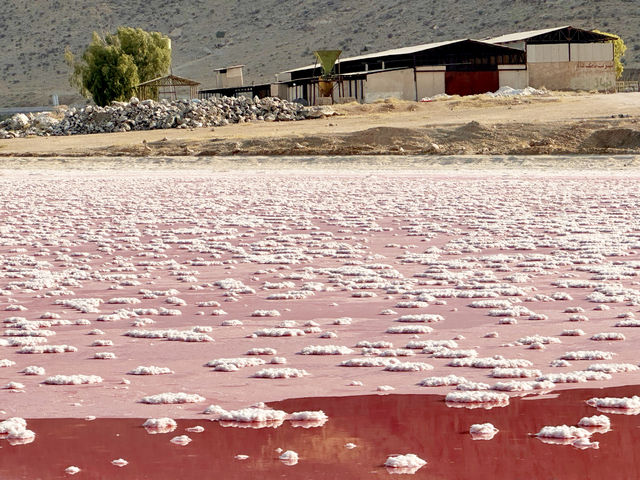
(471, 83)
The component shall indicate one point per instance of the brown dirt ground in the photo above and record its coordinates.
(558, 123)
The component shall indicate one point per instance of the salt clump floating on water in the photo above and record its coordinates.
(261, 351)
(119, 462)
(514, 373)
(409, 329)
(377, 344)
(501, 399)
(265, 313)
(483, 431)
(289, 458)
(181, 440)
(595, 421)
(631, 403)
(104, 355)
(573, 377)
(240, 362)
(424, 317)
(71, 470)
(172, 398)
(73, 380)
(160, 425)
(563, 432)
(405, 464)
(279, 332)
(4, 363)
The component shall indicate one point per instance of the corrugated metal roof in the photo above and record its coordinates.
(519, 36)
(388, 53)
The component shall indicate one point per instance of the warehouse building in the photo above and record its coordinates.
(565, 58)
(458, 67)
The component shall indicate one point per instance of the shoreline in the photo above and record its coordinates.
(554, 124)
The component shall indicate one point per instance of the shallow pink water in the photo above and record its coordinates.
(379, 426)
(71, 235)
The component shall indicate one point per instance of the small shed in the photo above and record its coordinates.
(166, 87)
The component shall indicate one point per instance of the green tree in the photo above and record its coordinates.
(618, 51)
(111, 67)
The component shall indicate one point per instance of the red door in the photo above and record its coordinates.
(471, 83)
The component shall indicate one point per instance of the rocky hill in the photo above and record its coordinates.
(269, 36)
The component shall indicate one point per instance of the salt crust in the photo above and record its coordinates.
(104, 355)
(410, 329)
(388, 352)
(472, 386)
(515, 386)
(150, 370)
(580, 376)
(514, 373)
(538, 339)
(119, 462)
(265, 313)
(607, 336)
(421, 344)
(442, 381)
(376, 344)
(572, 333)
(587, 355)
(491, 362)
(280, 373)
(613, 367)
(628, 323)
(261, 351)
(71, 470)
(614, 402)
(172, 398)
(102, 343)
(368, 362)
(231, 323)
(240, 362)
(279, 332)
(171, 335)
(326, 350)
(408, 367)
(36, 349)
(33, 370)
(444, 352)
(477, 397)
(73, 380)
(5, 362)
(424, 317)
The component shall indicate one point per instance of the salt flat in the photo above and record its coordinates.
(158, 293)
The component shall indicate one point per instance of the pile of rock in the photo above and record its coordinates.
(150, 115)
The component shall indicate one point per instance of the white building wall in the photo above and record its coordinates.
(591, 52)
(514, 76)
(548, 53)
(430, 81)
(392, 84)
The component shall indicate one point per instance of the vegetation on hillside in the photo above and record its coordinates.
(111, 67)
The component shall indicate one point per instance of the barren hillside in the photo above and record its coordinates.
(270, 35)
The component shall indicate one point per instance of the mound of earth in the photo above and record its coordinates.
(613, 138)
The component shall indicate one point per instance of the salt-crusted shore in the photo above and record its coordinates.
(148, 294)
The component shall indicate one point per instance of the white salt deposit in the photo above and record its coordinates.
(563, 432)
(477, 397)
(265, 313)
(160, 425)
(280, 373)
(483, 431)
(104, 355)
(595, 421)
(404, 329)
(514, 373)
(613, 367)
(326, 350)
(73, 380)
(71, 470)
(279, 332)
(408, 367)
(607, 336)
(424, 317)
(172, 398)
(289, 458)
(150, 370)
(181, 440)
(408, 461)
(442, 381)
(119, 462)
(632, 403)
(587, 355)
(4, 363)
(33, 370)
(261, 351)
(240, 362)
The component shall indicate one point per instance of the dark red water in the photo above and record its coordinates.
(378, 425)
